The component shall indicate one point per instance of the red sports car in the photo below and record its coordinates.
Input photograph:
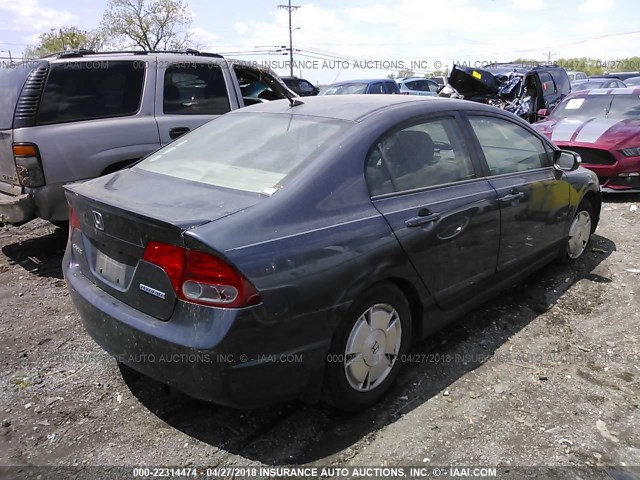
(603, 126)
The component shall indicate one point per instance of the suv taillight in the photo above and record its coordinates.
(202, 278)
(28, 164)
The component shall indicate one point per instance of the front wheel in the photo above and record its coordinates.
(579, 233)
(367, 349)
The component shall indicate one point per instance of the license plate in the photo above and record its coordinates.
(111, 269)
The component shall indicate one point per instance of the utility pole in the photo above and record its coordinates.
(290, 8)
(549, 57)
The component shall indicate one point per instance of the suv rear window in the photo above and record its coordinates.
(90, 90)
(11, 83)
(195, 89)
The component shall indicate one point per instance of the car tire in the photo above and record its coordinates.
(580, 230)
(368, 348)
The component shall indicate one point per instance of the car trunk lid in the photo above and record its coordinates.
(473, 82)
(118, 215)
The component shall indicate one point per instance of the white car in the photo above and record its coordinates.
(576, 76)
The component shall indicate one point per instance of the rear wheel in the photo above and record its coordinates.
(367, 349)
(579, 233)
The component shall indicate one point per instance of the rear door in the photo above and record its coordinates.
(189, 94)
(445, 216)
(534, 197)
(12, 80)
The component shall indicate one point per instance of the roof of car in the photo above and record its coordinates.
(356, 107)
(516, 67)
(365, 80)
(413, 79)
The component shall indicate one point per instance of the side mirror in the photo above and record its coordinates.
(543, 112)
(566, 161)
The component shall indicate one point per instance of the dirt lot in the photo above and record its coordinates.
(548, 374)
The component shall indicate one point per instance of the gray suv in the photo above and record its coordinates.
(81, 114)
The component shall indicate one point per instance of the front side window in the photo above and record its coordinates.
(305, 87)
(548, 86)
(195, 89)
(422, 155)
(78, 91)
(258, 85)
(422, 86)
(377, 88)
(252, 152)
(508, 147)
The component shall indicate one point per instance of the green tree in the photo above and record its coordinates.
(148, 24)
(65, 38)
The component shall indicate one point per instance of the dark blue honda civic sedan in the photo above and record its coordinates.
(295, 250)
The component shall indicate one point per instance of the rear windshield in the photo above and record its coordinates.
(346, 89)
(252, 152)
(599, 106)
(12, 80)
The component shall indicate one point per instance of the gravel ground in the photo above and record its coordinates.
(546, 374)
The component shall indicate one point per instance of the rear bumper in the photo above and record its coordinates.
(217, 355)
(16, 209)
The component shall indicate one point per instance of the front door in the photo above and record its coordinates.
(533, 196)
(187, 96)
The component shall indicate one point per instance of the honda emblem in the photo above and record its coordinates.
(98, 221)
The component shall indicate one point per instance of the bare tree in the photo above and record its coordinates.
(148, 24)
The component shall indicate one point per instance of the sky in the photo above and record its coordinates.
(350, 39)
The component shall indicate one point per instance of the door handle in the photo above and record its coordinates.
(510, 197)
(177, 132)
(424, 216)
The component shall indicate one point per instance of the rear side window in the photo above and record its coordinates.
(195, 89)
(78, 91)
(419, 156)
(11, 83)
(392, 87)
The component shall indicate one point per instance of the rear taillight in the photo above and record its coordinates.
(28, 165)
(74, 220)
(167, 257)
(199, 277)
